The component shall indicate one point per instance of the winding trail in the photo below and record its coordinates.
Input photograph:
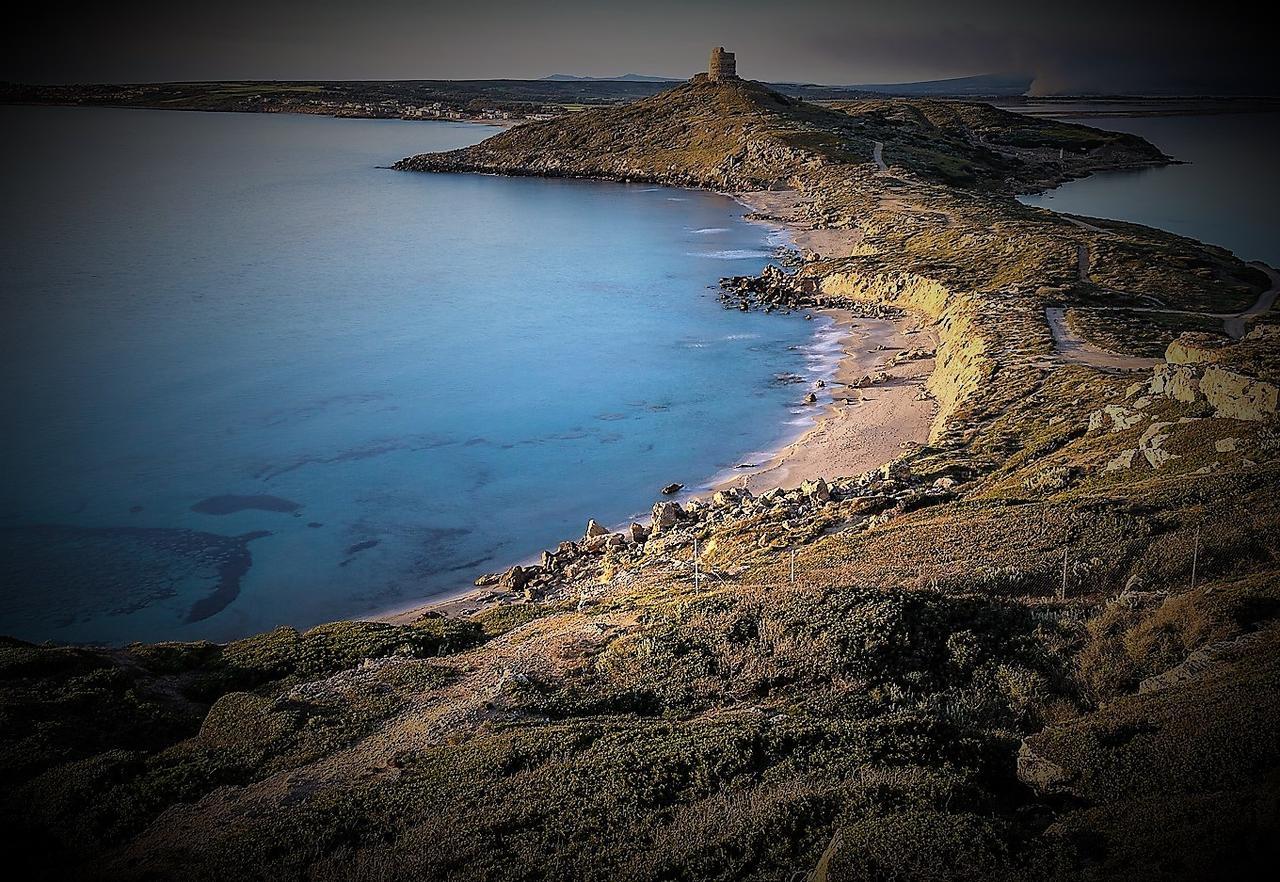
(1084, 260)
(1075, 349)
(877, 153)
(1237, 326)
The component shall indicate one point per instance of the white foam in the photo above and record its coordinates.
(732, 254)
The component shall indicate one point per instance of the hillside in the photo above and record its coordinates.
(1040, 646)
(743, 135)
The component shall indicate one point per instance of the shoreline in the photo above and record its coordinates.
(856, 427)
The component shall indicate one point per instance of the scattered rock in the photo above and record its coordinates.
(1226, 445)
(1151, 444)
(1122, 460)
(817, 490)
(594, 530)
(1120, 417)
(672, 489)
(514, 579)
(666, 515)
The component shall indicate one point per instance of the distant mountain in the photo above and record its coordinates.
(630, 78)
(1002, 85)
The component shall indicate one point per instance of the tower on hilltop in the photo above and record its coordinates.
(723, 65)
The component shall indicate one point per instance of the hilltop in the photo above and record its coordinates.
(1042, 645)
(743, 135)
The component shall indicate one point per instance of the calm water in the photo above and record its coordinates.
(252, 379)
(1226, 194)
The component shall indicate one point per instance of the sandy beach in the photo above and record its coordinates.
(861, 425)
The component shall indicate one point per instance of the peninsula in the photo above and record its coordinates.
(1040, 643)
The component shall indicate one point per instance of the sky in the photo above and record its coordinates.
(1068, 47)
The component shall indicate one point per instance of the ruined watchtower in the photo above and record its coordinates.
(723, 65)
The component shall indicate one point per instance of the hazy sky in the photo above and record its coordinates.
(1069, 46)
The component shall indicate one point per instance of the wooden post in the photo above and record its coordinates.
(1195, 559)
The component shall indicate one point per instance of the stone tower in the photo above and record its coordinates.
(723, 65)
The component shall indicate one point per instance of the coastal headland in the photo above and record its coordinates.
(1039, 643)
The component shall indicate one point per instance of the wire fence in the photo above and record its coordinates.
(1043, 566)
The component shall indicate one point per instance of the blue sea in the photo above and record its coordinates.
(252, 377)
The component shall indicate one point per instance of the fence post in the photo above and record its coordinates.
(1195, 559)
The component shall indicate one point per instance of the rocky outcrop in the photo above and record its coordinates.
(666, 515)
(1151, 444)
(1232, 395)
(1174, 381)
(1235, 396)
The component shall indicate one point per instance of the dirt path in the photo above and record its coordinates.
(877, 153)
(1083, 259)
(1075, 349)
(1237, 326)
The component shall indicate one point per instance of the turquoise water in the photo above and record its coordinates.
(1224, 194)
(252, 378)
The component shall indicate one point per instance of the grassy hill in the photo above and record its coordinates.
(744, 135)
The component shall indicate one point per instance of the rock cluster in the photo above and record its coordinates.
(775, 289)
(775, 518)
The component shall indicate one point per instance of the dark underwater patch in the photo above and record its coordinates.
(59, 575)
(230, 504)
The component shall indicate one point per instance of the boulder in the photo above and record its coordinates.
(594, 530)
(1237, 397)
(1151, 444)
(1226, 445)
(637, 533)
(816, 490)
(666, 515)
(732, 497)
(672, 489)
(514, 579)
